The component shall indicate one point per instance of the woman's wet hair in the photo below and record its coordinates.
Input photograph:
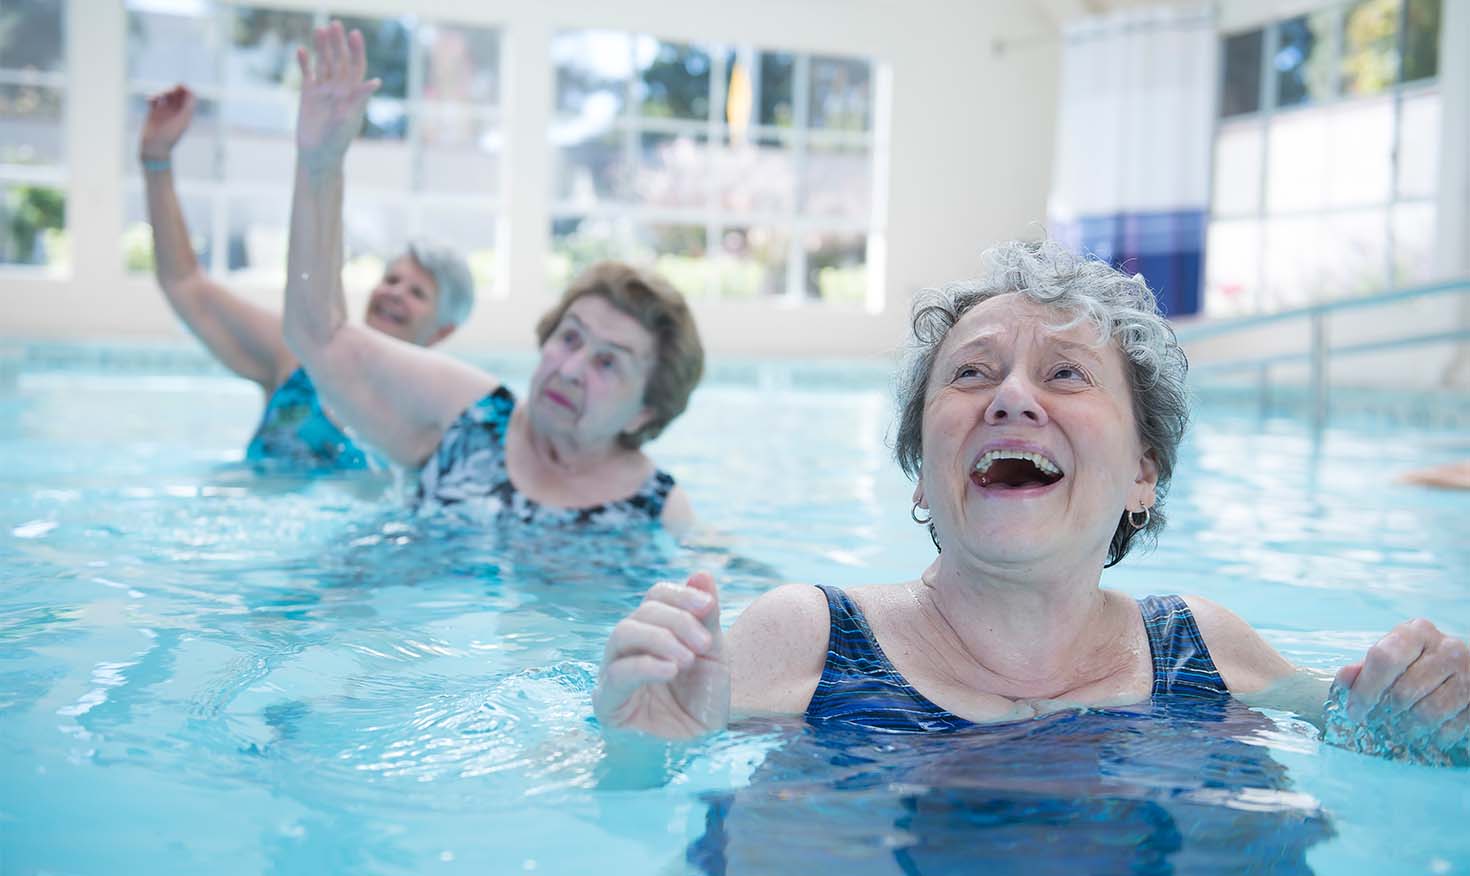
(678, 360)
(1121, 307)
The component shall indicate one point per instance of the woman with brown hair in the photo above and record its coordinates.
(620, 356)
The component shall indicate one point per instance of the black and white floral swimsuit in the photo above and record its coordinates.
(467, 477)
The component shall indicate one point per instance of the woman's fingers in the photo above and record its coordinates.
(303, 60)
(688, 598)
(1385, 662)
(322, 38)
(626, 674)
(356, 56)
(636, 636)
(686, 627)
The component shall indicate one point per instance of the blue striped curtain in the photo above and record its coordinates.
(1131, 183)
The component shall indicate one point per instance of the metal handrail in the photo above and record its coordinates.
(1319, 349)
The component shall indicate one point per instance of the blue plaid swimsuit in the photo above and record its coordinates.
(294, 431)
(860, 686)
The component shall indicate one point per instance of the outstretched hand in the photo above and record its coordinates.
(664, 671)
(334, 95)
(169, 114)
(1414, 683)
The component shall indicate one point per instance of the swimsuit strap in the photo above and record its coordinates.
(1182, 663)
(859, 684)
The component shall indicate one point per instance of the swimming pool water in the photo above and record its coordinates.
(206, 669)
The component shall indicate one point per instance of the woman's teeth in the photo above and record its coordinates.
(1046, 466)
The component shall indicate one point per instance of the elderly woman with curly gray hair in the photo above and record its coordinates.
(1040, 413)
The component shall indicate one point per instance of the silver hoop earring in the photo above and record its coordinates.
(914, 514)
(1133, 520)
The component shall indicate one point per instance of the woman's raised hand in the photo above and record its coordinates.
(168, 117)
(333, 96)
(1414, 683)
(664, 671)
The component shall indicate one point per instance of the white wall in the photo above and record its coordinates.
(969, 156)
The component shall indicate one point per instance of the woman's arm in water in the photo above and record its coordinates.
(1411, 690)
(399, 397)
(244, 337)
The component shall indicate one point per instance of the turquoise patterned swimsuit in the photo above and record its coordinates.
(860, 686)
(294, 431)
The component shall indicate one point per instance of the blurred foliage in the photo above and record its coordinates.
(676, 83)
(29, 212)
(1421, 39)
(1370, 46)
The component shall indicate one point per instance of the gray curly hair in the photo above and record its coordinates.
(1122, 308)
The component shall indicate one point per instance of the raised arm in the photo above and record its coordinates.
(242, 336)
(400, 397)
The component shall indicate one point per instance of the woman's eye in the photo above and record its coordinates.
(1067, 372)
(967, 371)
(605, 361)
(569, 336)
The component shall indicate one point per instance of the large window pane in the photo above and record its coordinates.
(32, 35)
(578, 242)
(31, 130)
(592, 170)
(461, 65)
(256, 241)
(1359, 157)
(33, 225)
(138, 234)
(775, 98)
(756, 177)
(1303, 59)
(1297, 170)
(840, 94)
(1237, 186)
(471, 231)
(673, 80)
(194, 155)
(263, 45)
(1421, 39)
(673, 170)
(386, 42)
(1370, 54)
(1242, 81)
(459, 152)
(1232, 267)
(836, 267)
(1413, 244)
(679, 254)
(166, 49)
(382, 165)
(838, 181)
(593, 69)
(753, 262)
(1355, 253)
(1419, 147)
(1293, 263)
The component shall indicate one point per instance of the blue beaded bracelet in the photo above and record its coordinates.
(156, 165)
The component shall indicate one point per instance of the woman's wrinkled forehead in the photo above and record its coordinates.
(1003, 320)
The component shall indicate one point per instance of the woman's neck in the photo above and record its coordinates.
(563, 454)
(1037, 632)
